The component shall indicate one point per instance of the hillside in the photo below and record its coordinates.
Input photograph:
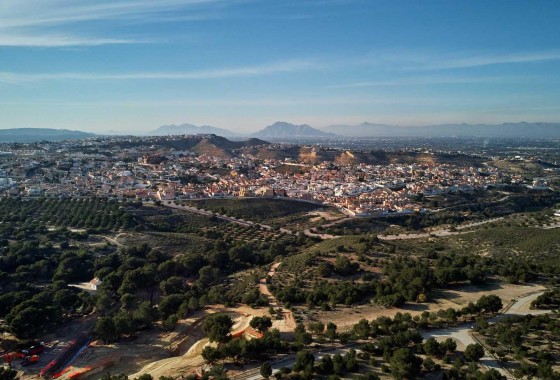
(316, 155)
(212, 145)
(282, 129)
(28, 135)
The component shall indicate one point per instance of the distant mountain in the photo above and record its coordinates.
(523, 129)
(282, 129)
(29, 135)
(208, 144)
(190, 129)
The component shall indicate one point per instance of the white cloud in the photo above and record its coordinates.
(431, 80)
(57, 40)
(495, 59)
(54, 23)
(246, 71)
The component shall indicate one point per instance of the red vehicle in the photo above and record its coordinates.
(34, 350)
(13, 355)
(30, 360)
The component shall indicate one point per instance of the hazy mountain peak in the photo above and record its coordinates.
(282, 129)
(190, 129)
(28, 135)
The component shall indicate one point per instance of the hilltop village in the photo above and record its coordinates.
(207, 166)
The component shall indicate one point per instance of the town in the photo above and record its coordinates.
(153, 169)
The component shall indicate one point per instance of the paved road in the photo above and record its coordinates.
(290, 361)
(522, 306)
(462, 333)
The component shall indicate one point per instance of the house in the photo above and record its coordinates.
(93, 284)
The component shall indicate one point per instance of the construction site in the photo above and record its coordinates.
(153, 352)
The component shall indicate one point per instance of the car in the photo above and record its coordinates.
(30, 360)
(34, 350)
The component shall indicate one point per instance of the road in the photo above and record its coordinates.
(462, 333)
(522, 306)
(308, 231)
(439, 233)
(289, 321)
(230, 219)
(253, 374)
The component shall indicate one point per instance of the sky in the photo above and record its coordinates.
(132, 65)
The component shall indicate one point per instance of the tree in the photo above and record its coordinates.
(169, 304)
(211, 354)
(170, 322)
(304, 360)
(108, 376)
(302, 337)
(173, 285)
(489, 304)
(491, 374)
(208, 275)
(404, 364)
(344, 266)
(432, 347)
(362, 329)
(261, 324)
(146, 313)
(474, 352)
(449, 345)
(429, 364)
(124, 324)
(218, 327)
(105, 328)
(326, 366)
(7, 373)
(266, 370)
(330, 333)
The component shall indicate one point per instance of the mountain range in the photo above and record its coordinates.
(286, 131)
(281, 129)
(28, 135)
(523, 129)
(190, 129)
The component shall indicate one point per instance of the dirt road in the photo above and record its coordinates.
(289, 323)
(462, 334)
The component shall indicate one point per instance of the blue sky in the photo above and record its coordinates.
(133, 65)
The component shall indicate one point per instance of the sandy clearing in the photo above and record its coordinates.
(346, 317)
(287, 323)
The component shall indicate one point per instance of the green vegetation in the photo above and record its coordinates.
(34, 277)
(20, 217)
(529, 342)
(261, 210)
(549, 300)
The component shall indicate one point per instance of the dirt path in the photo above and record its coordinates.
(115, 239)
(442, 232)
(346, 317)
(288, 322)
(463, 334)
(189, 350)
(522, 306)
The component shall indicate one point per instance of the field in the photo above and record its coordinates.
(275, 212)
(170, 268)
(457, 298)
